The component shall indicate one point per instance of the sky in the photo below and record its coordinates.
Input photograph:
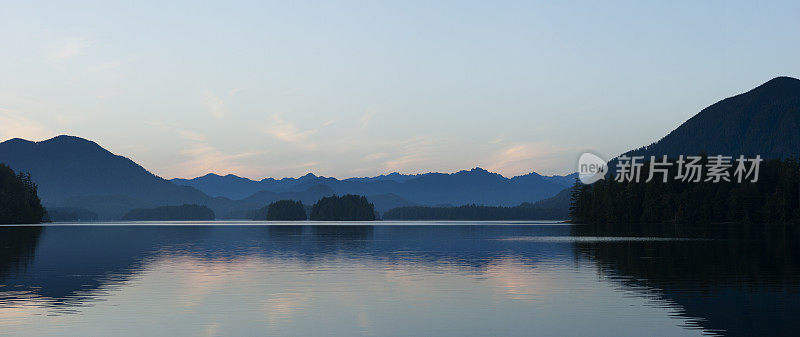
(361, 88)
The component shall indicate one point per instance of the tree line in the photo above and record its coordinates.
(69, 214)
(475, 212)
(334, 208)
(19, 201)
(774, 198)
(348, 207)
(283, 210)
(184, 212)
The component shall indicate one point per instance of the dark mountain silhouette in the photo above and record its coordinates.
(559, 201)
(308, 196)
(385, 202)
(64, 214)
(235, 187)
(476, 186)
(566, 181)
(74, 173)
(229, 186)
(107, 207)
(65, 167)
(763, 121)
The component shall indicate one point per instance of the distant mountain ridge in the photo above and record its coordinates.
(78, 174)
(477, 186)
(394, 176)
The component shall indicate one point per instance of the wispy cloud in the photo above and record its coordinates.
(214, 104)
(180, 131)
(524, 157)
(375, 156)
(497, 140)
(413, 153)
(204, 158)
(287, 131)
(111, 65)
(296, 169)
(235, 91)
(404, 163)
(67, 48)
(15, 125)
(199, 156)
(366, 119)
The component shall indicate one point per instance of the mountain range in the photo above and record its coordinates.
(78, 174)
(72, 172)
(475, 186)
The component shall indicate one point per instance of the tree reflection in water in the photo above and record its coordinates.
(738, 281)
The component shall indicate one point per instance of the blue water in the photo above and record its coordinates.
(395, 279)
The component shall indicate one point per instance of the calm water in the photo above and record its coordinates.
(390, 279)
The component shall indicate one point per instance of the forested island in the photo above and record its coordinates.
(283, 210)
(772, 199)
(475, 212)
(171, 213)
(343, 208)
(19, 201)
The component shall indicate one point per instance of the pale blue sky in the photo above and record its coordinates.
(355, 88)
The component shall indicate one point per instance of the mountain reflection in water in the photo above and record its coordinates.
(470, 279)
